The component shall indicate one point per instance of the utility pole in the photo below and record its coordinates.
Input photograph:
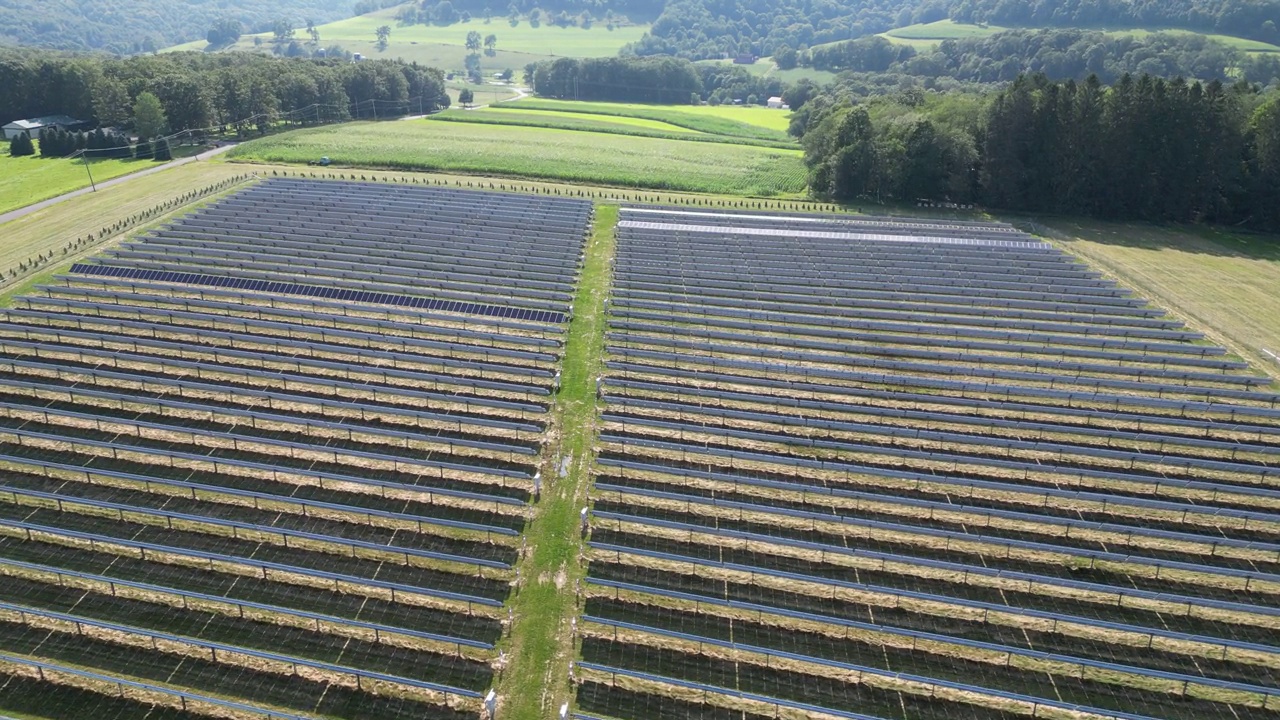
(84, 155)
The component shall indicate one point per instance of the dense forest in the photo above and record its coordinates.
(1144, 148)
(701, 29)
(1256, 19)
(1059, 54)
(132, 26)
(200, 91)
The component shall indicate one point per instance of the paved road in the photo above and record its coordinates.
(15, 214)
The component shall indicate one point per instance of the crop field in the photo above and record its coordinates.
(586, 122)
(275, 458)
(444, 46)
(737, 121)
(573, 121)
(541, 153)
(900, 469)
(28, 180)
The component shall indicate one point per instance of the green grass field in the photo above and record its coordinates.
(765, 67)
(753, 122)
(1221, 283)
(28, 180)
(595, 158)
(444, 46)
(926, 35)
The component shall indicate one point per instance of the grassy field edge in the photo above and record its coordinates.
(541, 643)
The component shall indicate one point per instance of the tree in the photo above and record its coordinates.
(282, 32)
(162, 151)
(148, 116)
(473, 42)
(490, 44)
(384, 35)
(224, 32)
(785, 57)
(21, 146)
(444, 13)
(143, 150)
(466, 97)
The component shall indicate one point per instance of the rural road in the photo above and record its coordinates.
(15, 214)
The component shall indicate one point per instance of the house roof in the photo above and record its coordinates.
(45, 121)
(775, 99)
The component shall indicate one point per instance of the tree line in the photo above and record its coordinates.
(237, 91)
(1144, 148)
(649, 80)
(1059, 54)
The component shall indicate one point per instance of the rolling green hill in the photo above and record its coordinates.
(129, 26)
(444, 46)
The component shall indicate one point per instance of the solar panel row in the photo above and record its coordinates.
(280, 452)
(821, 436)
(288, 288)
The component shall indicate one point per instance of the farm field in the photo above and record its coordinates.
(445, 46)
(925, 35)
(765, 67)
(594, 121)
(291, 480)
(1222, 283)
(918, 470)
(597, 158)
(510, 114)
(28, 180)
(754, 122)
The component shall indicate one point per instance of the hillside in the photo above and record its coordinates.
(444, 46)
(698, 29)
(924, 36)
(127, 26)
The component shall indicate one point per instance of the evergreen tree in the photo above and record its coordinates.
(22, 146)
(162, 151)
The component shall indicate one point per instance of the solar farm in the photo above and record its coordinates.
(290, 456)
(274, 459)
(892, 469)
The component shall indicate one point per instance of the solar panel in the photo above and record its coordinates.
(300, 289)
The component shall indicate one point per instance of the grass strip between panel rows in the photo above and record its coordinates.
(540, 647)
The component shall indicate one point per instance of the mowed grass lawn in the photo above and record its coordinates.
(754, 122)
(445, 46)
(596, 158)
(1221, 283)
(28, 180)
